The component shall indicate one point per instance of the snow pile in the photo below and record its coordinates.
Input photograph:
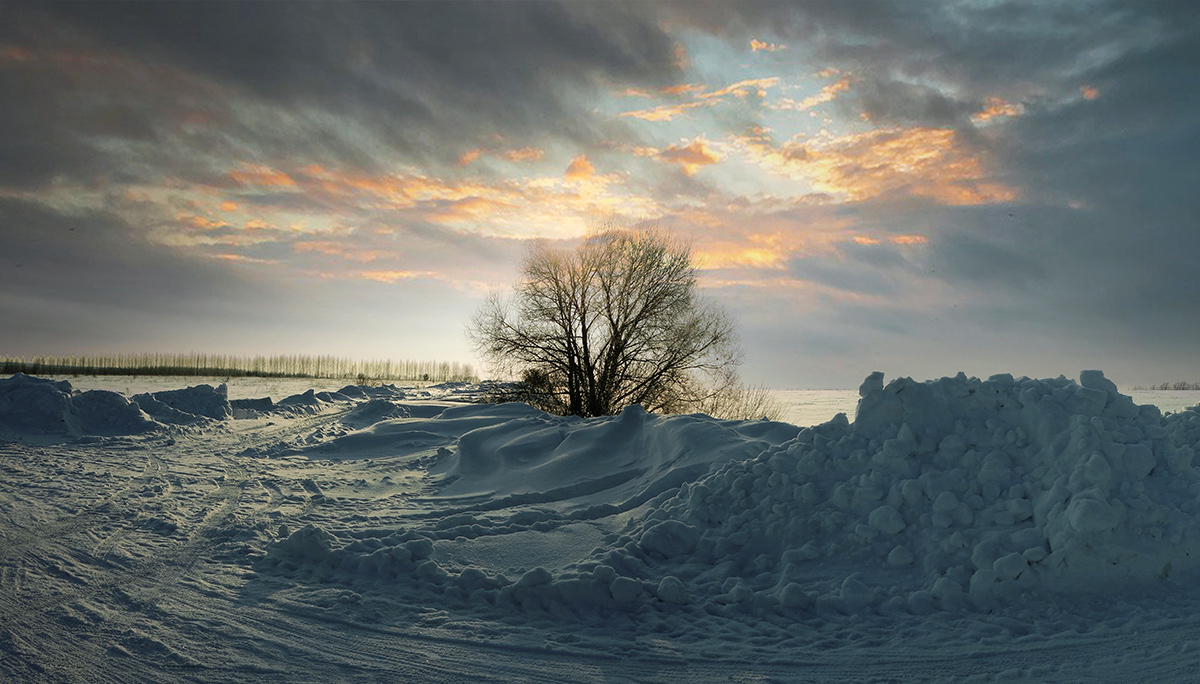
(30, 405)
(374, 411)
(309, 403)
(185, 406)
(941, 495)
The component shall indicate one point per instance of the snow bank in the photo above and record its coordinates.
(947, 495)
(185, 406)
(941, 495)
(30, 405)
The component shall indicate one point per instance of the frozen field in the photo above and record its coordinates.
(956, 530)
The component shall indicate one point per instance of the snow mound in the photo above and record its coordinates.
(309, 403)
(374, 411)
(184, 406)
(946, 494)
(432, 425)
(30, 405)
(630, 457)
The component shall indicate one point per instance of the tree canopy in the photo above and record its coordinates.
(617, 320)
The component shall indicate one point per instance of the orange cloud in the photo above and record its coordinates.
(682, 89)
(469, 156)
(261, 176)
(466, 209)
(827, 94)
(665, 112)
(256, 224)
(691, 157)
(895, 240)
(922, 162)
(721, 256)
(524, 154)
(550, 206)
(743, 89)
(229, 205)
(580, 168)
(758, 45)
(201, 222)
(238, 258)
(337, 249)
(995, 107)
(392, 277)
(1089, 92)
(702, 97)
(754, 135)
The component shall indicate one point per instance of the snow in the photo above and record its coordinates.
(958, 529)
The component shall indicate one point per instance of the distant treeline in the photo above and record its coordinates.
(281, 366)
(1181, 385)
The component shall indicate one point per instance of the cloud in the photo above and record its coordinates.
(358, 82)
(997, 108)
(931, 163)
(580, 168)
(826, 94)
(81, 278)
(258, 175)
(690, 157)
(703, 97)
(886, 102)
(524, 154)
(667, 112)
(763, 46)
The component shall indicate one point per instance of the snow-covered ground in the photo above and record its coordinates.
(957, 530)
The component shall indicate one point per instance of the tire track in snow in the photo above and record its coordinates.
(157, 574)
(110, 509)
(31, 631)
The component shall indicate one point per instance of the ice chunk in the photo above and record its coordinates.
(1095, 379)
(671, 590)
(886, 519)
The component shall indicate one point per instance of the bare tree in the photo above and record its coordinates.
(616, 321)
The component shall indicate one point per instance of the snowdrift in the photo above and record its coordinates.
(188, 405)
(957, 494)
(30, 405)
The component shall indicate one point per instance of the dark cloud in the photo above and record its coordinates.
(353, 82)
(895, 103)
(95, 258)
(80, 280)
(872, 269)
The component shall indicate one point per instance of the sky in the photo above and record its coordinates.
(915, 187)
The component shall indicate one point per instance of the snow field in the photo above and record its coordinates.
(957, 530)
